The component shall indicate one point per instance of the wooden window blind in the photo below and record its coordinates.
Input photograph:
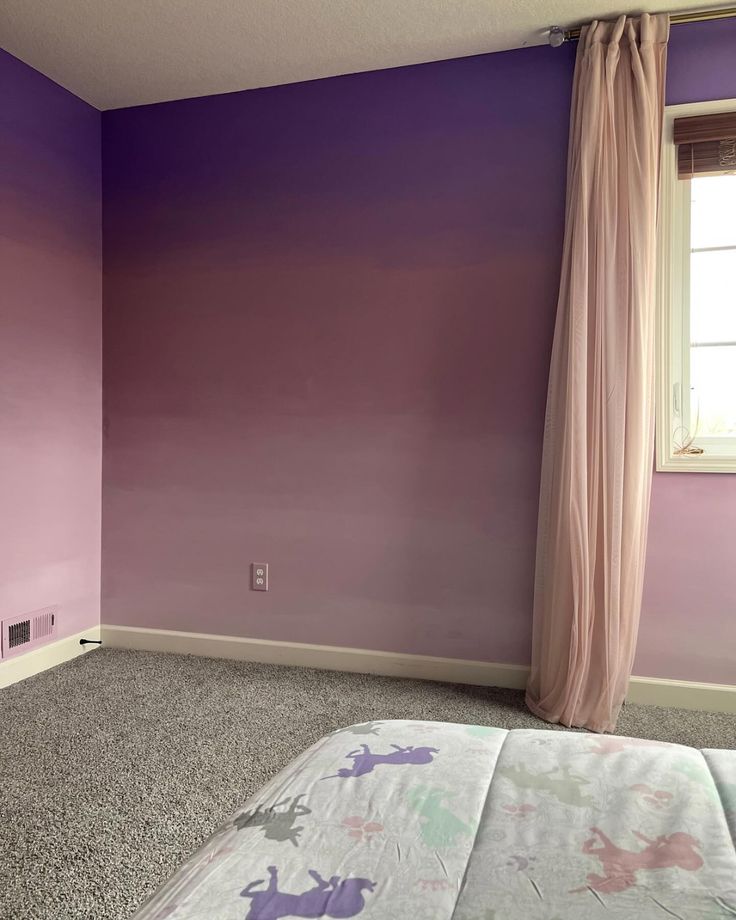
(706, 145)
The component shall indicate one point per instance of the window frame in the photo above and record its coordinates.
(673, 309)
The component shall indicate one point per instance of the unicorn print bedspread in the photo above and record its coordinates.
(401, 820)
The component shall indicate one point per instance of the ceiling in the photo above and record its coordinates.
(116, 53)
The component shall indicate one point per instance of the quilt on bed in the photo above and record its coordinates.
(401, 820)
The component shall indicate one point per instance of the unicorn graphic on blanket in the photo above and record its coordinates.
(277, 825)
(337, 898)
(440, 827)
(365, 761)
(620, 865)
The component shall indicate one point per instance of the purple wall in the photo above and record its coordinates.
(688, 625)
(50, 349)
(328, 317)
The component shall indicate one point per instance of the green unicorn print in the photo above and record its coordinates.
(439, 826)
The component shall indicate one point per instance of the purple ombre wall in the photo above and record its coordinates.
(50, 349)
(328, 316)
(328, 319)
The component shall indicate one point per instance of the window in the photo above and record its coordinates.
(696, 390)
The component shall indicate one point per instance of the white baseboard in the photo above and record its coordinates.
(682, 694)
(46, 656)
(648, 690)
(330, 657)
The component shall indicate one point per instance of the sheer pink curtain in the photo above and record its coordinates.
(599, 427)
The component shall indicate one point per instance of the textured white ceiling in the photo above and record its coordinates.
(117, 53)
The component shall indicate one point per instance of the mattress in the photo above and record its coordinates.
(401, 819)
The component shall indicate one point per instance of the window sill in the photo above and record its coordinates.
(697, 463)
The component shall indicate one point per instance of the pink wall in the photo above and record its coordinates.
(50, 349)
(328, 316)
(688, 625)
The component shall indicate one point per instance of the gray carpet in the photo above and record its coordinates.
(117, 765)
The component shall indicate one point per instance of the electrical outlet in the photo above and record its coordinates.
(259, 576)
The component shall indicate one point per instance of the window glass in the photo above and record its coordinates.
(713, 211)
(713, 306)
(713, 296)
(713, 390)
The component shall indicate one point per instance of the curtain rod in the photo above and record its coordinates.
(558, 35)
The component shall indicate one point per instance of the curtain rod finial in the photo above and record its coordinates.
(556, 36)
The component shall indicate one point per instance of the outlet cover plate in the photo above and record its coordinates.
(259, 576)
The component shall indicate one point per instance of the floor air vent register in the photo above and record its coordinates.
(23, 633)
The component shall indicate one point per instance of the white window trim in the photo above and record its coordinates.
(673, 267)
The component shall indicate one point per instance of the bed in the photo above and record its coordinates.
(399, 820)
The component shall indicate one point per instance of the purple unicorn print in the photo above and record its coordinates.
(364, 760)
(333, 898)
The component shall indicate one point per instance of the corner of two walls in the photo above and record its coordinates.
(328, 314)
(329, 310)
(50, 351)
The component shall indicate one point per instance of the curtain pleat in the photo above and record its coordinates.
(599, 424)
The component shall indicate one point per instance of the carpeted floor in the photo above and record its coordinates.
(117, 765)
